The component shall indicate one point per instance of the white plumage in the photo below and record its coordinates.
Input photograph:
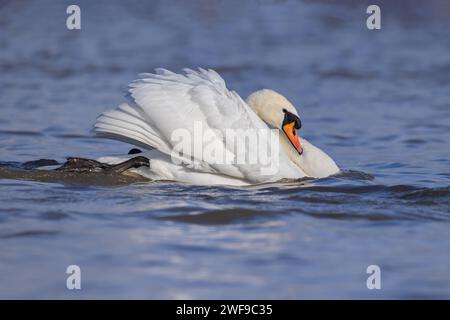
(163, 102)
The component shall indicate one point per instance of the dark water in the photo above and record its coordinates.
(376, 101)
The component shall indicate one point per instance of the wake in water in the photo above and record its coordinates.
(349, 195)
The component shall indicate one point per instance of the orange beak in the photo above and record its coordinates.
(292, 134)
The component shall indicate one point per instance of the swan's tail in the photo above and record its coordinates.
(128, 123)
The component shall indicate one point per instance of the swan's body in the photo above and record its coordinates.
(161, 103)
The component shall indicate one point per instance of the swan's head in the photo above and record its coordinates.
(277, 111)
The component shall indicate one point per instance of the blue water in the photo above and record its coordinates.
(377, 101)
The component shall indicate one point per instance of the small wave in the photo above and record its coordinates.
(427, 193)
(218, 217)
(29, 233)
(354, 175)
(354, 216)
(354, 189)
(20, 133)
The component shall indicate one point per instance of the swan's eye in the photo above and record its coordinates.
(290, 117)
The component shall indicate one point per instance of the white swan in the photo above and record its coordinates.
(161, 103)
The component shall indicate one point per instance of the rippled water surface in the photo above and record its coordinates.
(376, 101)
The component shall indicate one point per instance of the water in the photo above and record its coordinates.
(376, 101)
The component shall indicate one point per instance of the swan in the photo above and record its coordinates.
(164, 102)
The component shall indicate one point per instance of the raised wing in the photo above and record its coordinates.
(164, 102)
